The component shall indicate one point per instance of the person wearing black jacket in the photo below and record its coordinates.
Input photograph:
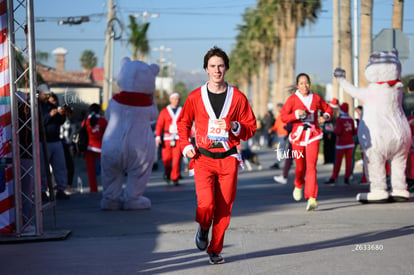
(52, 119)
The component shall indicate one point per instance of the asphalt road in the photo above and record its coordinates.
(269, 232)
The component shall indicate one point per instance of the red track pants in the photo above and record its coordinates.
(171, 157)
(338, 162)
(90, 159)
(306, 158)
(216, 184)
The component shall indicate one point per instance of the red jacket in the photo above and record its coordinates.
(345, 131)
(96, 133)
(198, 109)
(305, 130)
(279, 127)
(167, 124)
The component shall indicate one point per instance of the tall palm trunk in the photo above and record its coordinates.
(281, 72)
(289, 56)
(290, 60)
(255, 94)
(346, 49)
(244, 86)
(264, 86)
(276, 93)
(365, 40)
(336, 46)
(397, 14)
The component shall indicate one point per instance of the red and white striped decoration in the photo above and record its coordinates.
(7, 211)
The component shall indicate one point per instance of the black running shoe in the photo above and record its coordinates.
(330, 181)
(166, 178)
(45, 197)
(201, 238)
(215, 258)
(61, 195)
(275, 166)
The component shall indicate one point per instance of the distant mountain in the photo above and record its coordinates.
(191, 79)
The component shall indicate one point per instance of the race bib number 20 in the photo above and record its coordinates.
(216, 133)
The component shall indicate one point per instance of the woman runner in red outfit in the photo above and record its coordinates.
(302, 109)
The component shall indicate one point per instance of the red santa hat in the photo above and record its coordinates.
(334, 103)
(344, 107)
(174, 94)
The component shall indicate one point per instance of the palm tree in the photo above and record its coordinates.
(397, 14)
(346, 48)
(88, 60)
(276, 66)
(277, 49)
(42, 56)
(250, 45)
(289, 16)
(263, 39)
(365, 40)
(138, 39)
(240, 66)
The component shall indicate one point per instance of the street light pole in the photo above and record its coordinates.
(109, 39)
(146, 15)
(162, 49)
(356, 51)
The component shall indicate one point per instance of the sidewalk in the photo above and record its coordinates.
(269, 233)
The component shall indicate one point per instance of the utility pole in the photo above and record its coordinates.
(397, 14)
(355, 47)
(108, 63)
(336, 45)
(163, 73)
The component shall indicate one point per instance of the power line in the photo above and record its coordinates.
(46, 39)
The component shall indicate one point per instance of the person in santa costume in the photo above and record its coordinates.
(166, 128)
(222, 117)
(302, 109)
(344, 131)
(95, 126)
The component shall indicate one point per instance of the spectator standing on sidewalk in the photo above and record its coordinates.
(66, 134)
(267, 124)
(281, 135)
(66, 137)
(287, 155)
(329, 137)
(222, 117)
(53, 118)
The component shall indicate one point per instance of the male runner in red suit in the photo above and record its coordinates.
(167, 128)
(302, 109)
(222, 117)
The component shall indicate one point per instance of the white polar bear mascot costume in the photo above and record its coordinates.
(128, 145)
(384, 132)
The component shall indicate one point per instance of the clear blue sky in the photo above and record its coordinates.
(189, 29)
